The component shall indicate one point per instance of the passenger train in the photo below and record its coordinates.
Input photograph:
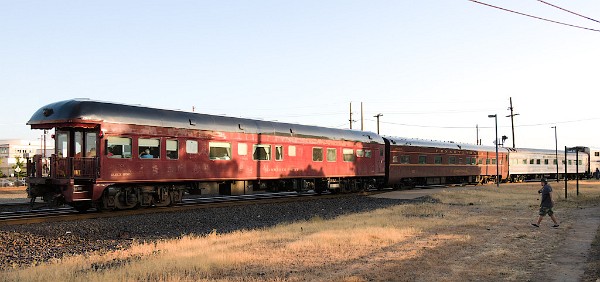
(116, 156)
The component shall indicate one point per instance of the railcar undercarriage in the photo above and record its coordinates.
(132, 196)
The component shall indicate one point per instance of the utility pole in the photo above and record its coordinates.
(362, 118)
(477, 140)
(512, 121)
(350, 115)
(377, 116)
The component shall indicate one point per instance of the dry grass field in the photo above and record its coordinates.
(475, 234)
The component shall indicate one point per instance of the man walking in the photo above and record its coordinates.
(547, 204)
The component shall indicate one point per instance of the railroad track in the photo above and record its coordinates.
(68, 213)
(36, 213)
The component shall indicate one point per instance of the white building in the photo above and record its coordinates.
(10, 150)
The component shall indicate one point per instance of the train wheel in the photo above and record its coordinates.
(126, 199)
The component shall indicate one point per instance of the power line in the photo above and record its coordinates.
(469, 127)
(535, 17)
(549, 4)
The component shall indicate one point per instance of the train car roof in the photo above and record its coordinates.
(539, 151)
(91, 111)
(438, 144)
(463, 146)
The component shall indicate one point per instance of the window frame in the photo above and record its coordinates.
(279, 153)
(268, 153)
(169, 153)
(318, 153)
(108, 150)
(334, 154)
(191, 146)
(348, 155)
(224, 152)
(154, 150)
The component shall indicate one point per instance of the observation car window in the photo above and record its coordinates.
(422, 159)
(242, 149)
(278, 153)
(460, 161)
(78, 143)
(493, 161)
(292, 151)
(524, 161)
(118, 147)
(394, 159)
(317, 154)
(405, 159)
(149, 148)
(331, 154)
(348, 155)
(261, 152)
(532, 161)
(596, 154)
(570, 162)
(538, 161)
(219, 150)
(437, 160)
(554, 162)
(368, 153)
(90, 144)
(191, 146)
(62, 144)
(172, 149)
(487, 161)
(546, 161)
(580, 162)
(360, 153)
(452, 160)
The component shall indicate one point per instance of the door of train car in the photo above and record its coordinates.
(380, 165)
(75, 153)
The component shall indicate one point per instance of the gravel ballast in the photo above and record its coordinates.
(24, 245)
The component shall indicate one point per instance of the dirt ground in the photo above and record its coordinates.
(575, 259)
(569, 261)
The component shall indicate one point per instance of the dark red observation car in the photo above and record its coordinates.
(110, 155)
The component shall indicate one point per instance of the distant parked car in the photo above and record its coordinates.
(6, 183)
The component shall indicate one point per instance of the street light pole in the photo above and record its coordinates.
(496, 142)
(556, 150)
(377, 116)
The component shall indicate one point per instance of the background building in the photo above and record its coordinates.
(11, 150)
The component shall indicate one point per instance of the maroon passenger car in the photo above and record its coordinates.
(423, 162)
(110, 155)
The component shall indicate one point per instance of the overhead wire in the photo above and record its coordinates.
(467, 127)
(568, 11)
(532, 16)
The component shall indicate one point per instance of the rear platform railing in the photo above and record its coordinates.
(62, 168)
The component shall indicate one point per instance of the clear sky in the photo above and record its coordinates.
(435, 69)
